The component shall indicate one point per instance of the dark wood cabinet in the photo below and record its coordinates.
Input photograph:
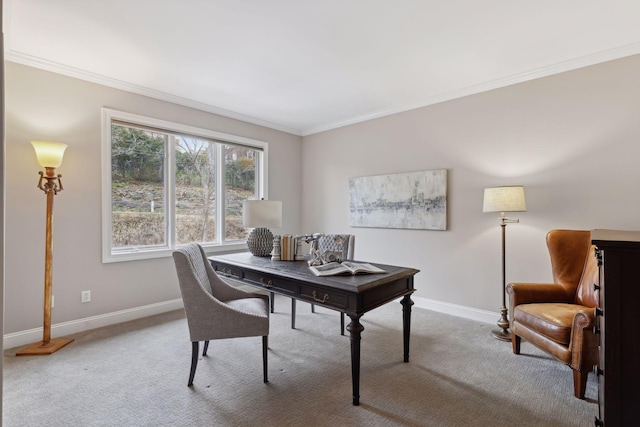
(618, 314)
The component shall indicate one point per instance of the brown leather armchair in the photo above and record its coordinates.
(559, 317)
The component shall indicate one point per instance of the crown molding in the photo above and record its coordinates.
(560, 67)
(557, 68)
(65, 70)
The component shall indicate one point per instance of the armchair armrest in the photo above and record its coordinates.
(223, 290)
(229, 321)
(584, 342)
(525, 293)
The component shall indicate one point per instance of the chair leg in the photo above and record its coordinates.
(341, 323)
(194, 362)
(313, 308)
(206, 347)
(271, 297)
(293, 313)
(579, 383)
(265, 344)
(515, 343)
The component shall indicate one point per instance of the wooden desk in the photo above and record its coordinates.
(353, 295)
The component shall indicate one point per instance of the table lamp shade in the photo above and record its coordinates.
(262, 213)
(504, 199)
(49, 153)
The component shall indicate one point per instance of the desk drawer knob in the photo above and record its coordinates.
(267, 284)
(324, 298)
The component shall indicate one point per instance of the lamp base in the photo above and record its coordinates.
(501, 334)
(40, 349)
(260, 241)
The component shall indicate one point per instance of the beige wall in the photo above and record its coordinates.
(44, 105)
(573, 141)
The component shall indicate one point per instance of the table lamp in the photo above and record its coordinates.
(504, 199)
(260, 214)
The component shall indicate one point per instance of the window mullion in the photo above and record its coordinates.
(220, 194)
(170, 191)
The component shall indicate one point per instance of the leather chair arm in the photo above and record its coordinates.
(525, 293)
(584, 342)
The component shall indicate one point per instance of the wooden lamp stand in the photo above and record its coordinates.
(50, 184)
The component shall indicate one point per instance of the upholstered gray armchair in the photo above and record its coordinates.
(216, 310)
(344, 243)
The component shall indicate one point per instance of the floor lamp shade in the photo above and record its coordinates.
(49, 154)
(504, 199)
(259, 215)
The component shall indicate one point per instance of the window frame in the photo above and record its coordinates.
(220, 245)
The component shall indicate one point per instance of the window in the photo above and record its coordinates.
(166, 184)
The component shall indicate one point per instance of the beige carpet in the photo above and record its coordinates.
(135, 374)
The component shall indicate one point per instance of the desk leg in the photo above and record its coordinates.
(293, 313)
(406, 323)
(355, 328)
(271, 298)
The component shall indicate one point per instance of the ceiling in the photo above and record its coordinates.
(306, 66)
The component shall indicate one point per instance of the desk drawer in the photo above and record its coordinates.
(257, 279)
(226, 271)
(324, 297)
(270, 283)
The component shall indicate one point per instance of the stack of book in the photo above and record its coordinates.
(287, 247)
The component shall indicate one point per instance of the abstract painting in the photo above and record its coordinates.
(413, 200)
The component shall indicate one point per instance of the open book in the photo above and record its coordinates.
(346, 267)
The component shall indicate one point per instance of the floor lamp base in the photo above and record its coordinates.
(39, 349)
(502, 335)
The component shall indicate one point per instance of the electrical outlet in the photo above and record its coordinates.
(85, 296)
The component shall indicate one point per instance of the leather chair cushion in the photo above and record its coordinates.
(553, 320)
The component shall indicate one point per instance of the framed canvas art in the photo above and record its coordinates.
(412, 200)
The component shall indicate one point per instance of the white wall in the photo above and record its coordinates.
(573, 141)
(44, 105)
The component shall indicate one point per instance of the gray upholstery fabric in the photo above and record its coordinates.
(213, 308)
(336, 242)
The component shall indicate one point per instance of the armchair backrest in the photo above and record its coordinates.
(573, 264)
(196, 259)
(344, 243)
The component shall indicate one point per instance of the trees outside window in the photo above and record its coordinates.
(162, 185)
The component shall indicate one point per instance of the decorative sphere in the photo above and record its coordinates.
(260, 242)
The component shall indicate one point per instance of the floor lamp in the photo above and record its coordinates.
(49, 156)
(504, 199)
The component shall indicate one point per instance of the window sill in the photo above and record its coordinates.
(143, 254)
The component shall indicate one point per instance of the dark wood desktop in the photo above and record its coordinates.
(352, 295)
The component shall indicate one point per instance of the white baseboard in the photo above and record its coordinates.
(21, 338)
(456, 310)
